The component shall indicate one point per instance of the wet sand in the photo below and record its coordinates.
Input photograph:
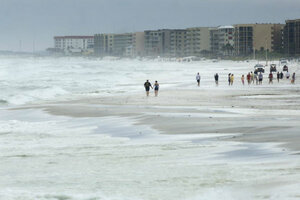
(251, 114)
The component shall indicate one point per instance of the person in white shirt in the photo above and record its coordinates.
(287, 75)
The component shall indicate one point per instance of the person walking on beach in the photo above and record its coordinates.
(256, 78)
(293, 78)
(231, 79)
(270, 78)
(243, 79)
(281, 75)
(278, 76)
(260, 78)
(198, 77)
(156, 88)
(249, 78)
(217, 79)
(287, 75)
(252, 77)
(147, 86)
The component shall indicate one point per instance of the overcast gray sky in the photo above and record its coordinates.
(25, 24)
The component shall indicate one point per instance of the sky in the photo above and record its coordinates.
(30, 25)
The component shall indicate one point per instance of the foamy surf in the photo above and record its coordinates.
(88, 156)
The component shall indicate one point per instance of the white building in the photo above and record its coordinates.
(71, 44)
(222, 40)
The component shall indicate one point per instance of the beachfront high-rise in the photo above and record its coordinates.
(103, 44)
(222, 40)
(197, 41)
(239, 40)
(177, 43)
(74, 44)
(292, 37)
(250, 37)
(156, 42)
(125, 44)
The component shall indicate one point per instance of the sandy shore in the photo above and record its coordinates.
(251, 114)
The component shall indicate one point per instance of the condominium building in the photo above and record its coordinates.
(177, 43)
(214, 41)
(222, 40)
(138, 44)
(197, 41)
(292, 37)
(125, 44)
(103, 44)
(250, 37)
(155, 42)
(121, 42)
(74, 44)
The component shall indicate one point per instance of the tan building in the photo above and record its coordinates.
(177, 43)
(250, 37)
(197, 41)
(138, 44)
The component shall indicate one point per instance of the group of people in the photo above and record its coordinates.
(251, 78)
(148, 85)
(258, 78)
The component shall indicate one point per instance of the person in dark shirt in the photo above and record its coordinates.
(293, 78)
(217, 79)
(198, 77)
(156, 88)
(281, 75)
(147, 86)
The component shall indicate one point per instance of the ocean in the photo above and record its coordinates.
(50, 157)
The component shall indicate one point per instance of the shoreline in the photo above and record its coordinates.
(200, 112)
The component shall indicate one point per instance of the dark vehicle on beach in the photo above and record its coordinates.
(259, 68)
(285, 68)
(273, 68)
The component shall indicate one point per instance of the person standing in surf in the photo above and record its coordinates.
(156, 88)
(256, 78)
(217, 79)
(249, 78)
(287, 75)
(147, 86)
(229, 79)
(252, 77)
(270, 78)
(293, 78)
(198, 77)
(260, 78)
(243, 79)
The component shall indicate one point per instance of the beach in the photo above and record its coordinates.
(190, 142)
(245, 113)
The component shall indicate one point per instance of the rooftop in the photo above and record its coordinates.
(73, 37)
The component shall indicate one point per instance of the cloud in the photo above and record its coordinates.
(40, 20)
